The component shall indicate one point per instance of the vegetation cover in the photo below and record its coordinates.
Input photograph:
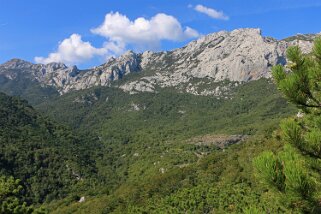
(295, 171)
(141, 153)
(46, 158)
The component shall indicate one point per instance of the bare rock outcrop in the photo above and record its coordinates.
(238, 56)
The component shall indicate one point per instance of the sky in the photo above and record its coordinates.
(86, 33)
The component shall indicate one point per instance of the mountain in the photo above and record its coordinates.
(148, 132)
(240, 55)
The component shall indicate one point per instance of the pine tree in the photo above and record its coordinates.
(300, 79)
(295, 171)
(10, 197)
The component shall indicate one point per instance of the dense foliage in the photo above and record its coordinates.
(26, 88)
(142, 153)
(46, 157)
(10, 197)
(169, 114)
(147, 154)
(295, 171)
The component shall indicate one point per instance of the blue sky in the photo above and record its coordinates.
(86, 33)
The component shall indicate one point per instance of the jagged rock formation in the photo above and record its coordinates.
(238, 56)
(71, 78)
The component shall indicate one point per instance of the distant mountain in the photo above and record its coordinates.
(240, 55)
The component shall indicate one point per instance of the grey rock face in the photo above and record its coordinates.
(71, 78)
(239, 56)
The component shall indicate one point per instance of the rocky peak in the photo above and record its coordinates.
(128, 55)
(238, 56)
(238, 35)
(55, 66)
(16, 64)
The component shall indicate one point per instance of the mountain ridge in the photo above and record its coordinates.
(239, 56)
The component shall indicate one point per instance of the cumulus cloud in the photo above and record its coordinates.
(141, 32)
(210, 12)
(72, 50)
(120, 32)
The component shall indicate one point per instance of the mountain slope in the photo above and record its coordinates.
(16, 80)
(171, 113)
(48, 158)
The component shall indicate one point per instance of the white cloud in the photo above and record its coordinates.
(211, 12)
(143, 33)
(72, 50)
(120, 32)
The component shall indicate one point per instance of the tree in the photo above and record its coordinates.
(10, 197)
(295, 171)
(300, 79)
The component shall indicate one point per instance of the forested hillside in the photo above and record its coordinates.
(153, 145)
(47, 158)
(137, 147)
(104, 150)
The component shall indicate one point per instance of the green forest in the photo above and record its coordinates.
(102, 150)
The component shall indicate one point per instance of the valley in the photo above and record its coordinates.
(167, 132)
